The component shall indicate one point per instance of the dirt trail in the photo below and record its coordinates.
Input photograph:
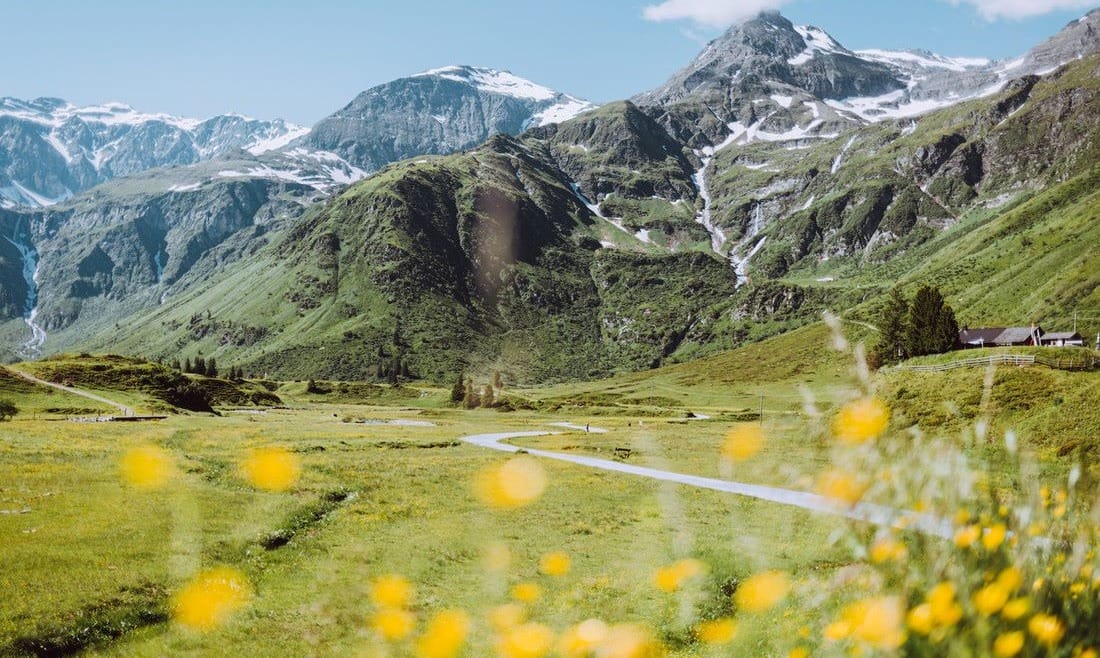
(123, 409)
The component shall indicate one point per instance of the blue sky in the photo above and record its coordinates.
(303, 60)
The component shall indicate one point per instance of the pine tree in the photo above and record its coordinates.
(487, 396)
(200, 365)
(892, 329)
(932, 328)
(498, 381)
(458, 391)
(471, 398)
(211, 367)
(187, 365)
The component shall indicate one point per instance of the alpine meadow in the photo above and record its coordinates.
(795, 354)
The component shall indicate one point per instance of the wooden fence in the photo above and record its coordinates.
(1020, 360)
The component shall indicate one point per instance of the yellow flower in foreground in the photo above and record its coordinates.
(527, 641)
(1008, 644)
(994, 536)
(861, 421)
(393, 624)
(1016, 608)
(717, 631)
(1010, 579)
(799, 652)
(965, 537)
(391, 591)
(555, 564)
(444, 635)
(877, 621)
(888, 549)
(1048, 629)
(945, 610)
(582, 640)
(526, 592)
(271, 469)
(990, 599)
(210, 598)
(146, 467)
(841, 486)
(762, 591)
(517, 482)
(672, 577)
(920, 619)
(743, 442)
(506, 616)
(629, 641)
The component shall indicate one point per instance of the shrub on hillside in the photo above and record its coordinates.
(7, 410)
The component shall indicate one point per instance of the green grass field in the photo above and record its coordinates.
(92, 562)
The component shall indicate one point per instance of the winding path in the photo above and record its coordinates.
(879, 515)
(123, 409)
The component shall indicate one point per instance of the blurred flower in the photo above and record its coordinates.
(945, 610)
(526, 592)
(799, 652)
(210, 598)
(743, 442)
(530, 640)
(444, 635)
(1008, 644)
(877, 621)
(861, 421)
(271, 469)
(965, 537)
(393, 624)
(717, 631)
(990, 599)
(1010, 579)
(920, 619)
(506, 616)
(841, 486)
(994, 536)
(391, 591)
(672, 577)
(582, 640)
(888, 549)
(147, 467)
(629, 641)
(762, 591)
(1016, 608)
(1047, 629)
(517, 482)
(554, 564)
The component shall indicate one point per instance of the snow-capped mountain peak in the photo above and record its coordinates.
(492, 81)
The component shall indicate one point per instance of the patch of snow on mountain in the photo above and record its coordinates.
(59, 146)
(899, 105)
(292, 133)
(920, 59)
(563, 111)
(783, 101)
(180, 187)
(492, 81)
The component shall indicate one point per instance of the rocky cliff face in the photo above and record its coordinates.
(438, 112)
(51, 150)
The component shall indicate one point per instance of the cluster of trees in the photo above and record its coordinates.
(465, 392)
(207, 367)
(925, 325)
(7, 410)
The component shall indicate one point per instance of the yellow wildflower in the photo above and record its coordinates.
(517, 482)
(841, 486)
(210, 598)
(629, 641)
(762, 591)
(554, 564)
(444, 636)
(1011, 579)
(994, 536)
(147, 467)
(506, 616)
(582, 640)
(391, 591)
(743, 442)
(1016, 608)
(393, 624)
(1047, 629)
(530, 640)
(672, 577)
(920, 619)
(876, 621)
(717, 631)
(990, 599)
(861, 421)
(838, 630)
(526, 592)
(945, 610)
(1008, 644)
(888, 549)
(966, 536)
(271, 469)
(799, 652)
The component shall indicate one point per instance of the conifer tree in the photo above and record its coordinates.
(199, 366)
(471, 398)
(932, 328)
(487, 396)
(498, 381)
(211, 367)
(458, 391)
(187, 365)
(892, 328)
